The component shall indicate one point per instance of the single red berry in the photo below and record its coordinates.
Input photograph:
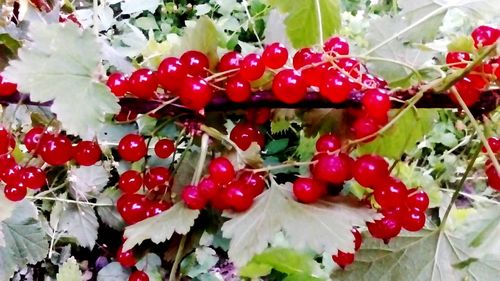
(32, 138)
(143, 83)
(164, 148)
(238, 196)
(315, 75)
(15, 193)
(221, 170)
(289, 87)
(7, 88)
(370, 81)
(364, 127)
(376, 103)
(336, 87)
(196, 63)
(350, 65)
(157, 207)
(418, 200)
(370, 169)
(385, 228)
(244, 134)
(87, 153)
(33, 177)
(11, 172)
(467, 91)
(308, 190)
(358, 239)
(275, 55)
(238, 89)
(7, 162)
(170, 72)
(192, 198)
(494, 143)
(118, 84)
(390, 193)
(195, 93)
(229, 61)
(7, 141)
(335, 169)
(493, 178)
(458, 59)
(126, 259)
(343, 259)
(252, 67)
(157, 178)
(125, 115)
(132, 147)
(414, 220)
(485, 36)
(304, 57)
(130, 181)
(138, 276)
(56, 149)
(336, 46)
(478, 81)
(132, 208)
(254, 181)
(328, 143)
(208, 188)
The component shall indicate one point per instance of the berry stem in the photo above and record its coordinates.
(178, 258)
(320, 22)
(201, 161)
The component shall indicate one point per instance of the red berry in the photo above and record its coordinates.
(328, 143)
(87, 153)
(385, 228)
(118, 84)
(493, 178)
(370, 81)
(458, 59)
(132, 147)
(33, 177)
(15, 192)
(195, 93)
(485, 36)
(164, 148)
(32, 138)
(335, 169)
(343, 259)
(275, 55)
(238, 89)
(170, 72)
(11, 174)
(132, 208)
(138, 276)
(418, 200)
(358, 239)
(336, 87)
(369, 170)
(494, 143)
(208, 188)
(157, 178)
(254, 181)
(192, 198)
(305, 57)
(7, 162)
(315, 75)
(127, 259)
(336, 46)
(7, 88)
(365, 126)
(238, 197)
(376, 103)
(130, 181)
(196, 63)
(467, 91)
(244, 134)
(391, 193)
(252, 67)
(308, 190)
(414, 220)
(157, 207)
(350, 65)
(289, 87)
(258, 116)
(126, 115)
(229, 61)
(7, 141)
(221, 170)
(56, 149)
(143, 83)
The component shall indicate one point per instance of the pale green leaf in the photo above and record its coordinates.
(202, 9)
(482, 229)
(61, 63)
(69, 271)
(108, 214)
(324, 226)
(160, 228)
(461, 44)
(276, 146)
(113, 272)
(6, 207)
(279, 126)
(79, 221)
(151, 264)
(134, 6)
(86, 181)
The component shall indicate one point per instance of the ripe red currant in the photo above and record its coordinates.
(336, 87)
(238, 89)
(494, 143)
(336, 46)
(335, 169)
(343, 259)
(229, 61)
(164, 148)
(7, 88)
(192, 198)
(138, 276)
(32, 138)
(485, 36)
(170, 72)
(221, 170)
(365, 126)
(258, 116)
(195, 93)
(244, 134)
(15, 192)
(252, 67)
(208, 188)
(118, 84)
(390, 193)
(305, 57)
(350, 65)
(87, 153)
(385, 228)
(143, 83)
(289, 87)
(132, 147)
(157, 178)
(308, 190)
(370, 81)
(196, 63)
(493, 178)
(369, 170)
(238, 196)
(33, 177)
(130, 181)
(467, 91)
(414, 220)
(254, 181)
(376, 103)
(56, 149)
(275, 55)
(7, 141)
(132, 208)
(157, 207)
(418, 200)
(457, 59)
(328, 143)
(126, 259)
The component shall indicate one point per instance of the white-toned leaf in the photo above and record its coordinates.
(108, 214)
(151, 264)
(87, 180)
(134, 6)
(79, 221)
(69, 271)
(113, 272)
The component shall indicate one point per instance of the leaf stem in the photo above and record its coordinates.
(320, 22)
(177, 260)
(201, 161)
(34, 198)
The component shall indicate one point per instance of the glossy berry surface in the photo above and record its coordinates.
(157, 178)
(336, 46)
(308, 190)
(15, 193)
(170, 72)
(138, 276)
(33, 177)
(364, 127)
(414, 220)
(458, 59)
(343, 259)
(118, 84)
(252, 67)
(391, 193)
(132, 147)
(244, 134)
(87, 153)
(238, 197)
(485, 36)
(130, 181)
(7, 142)
(493, 178)
(143, 83)
(221, 170)
(376, 103)
(275, 55)
(7, 88)
(238, 89)
(195, 93)
(196, 62)
(164, 148)
(254, 182)
(127, 258)
(467, 91)
(385, 228)
(229, 61)
(289, 87)
(157, 207)
(418, 200)
(336, 88)
(56, 149)
(305, 56)
(193, 198)
(132, 208)
(368, 170)
(208, 188)
(328, 143)
(334, 169)
(494, 143)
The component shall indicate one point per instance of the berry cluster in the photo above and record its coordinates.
(224, 188)
(491, 172)
(128, 259)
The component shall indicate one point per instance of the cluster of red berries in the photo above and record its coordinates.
(128, 260)
(491, 172)
(7, 88)
(471, 86)
(224, 188)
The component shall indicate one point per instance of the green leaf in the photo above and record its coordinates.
(12, 44)
(279, 126)
(113, 272)
(302, 20)
(301, 277)
(69, 271)
(25, 240)
(403, 135)
(462, 44)
(79, 221)
(276, 146)
(321, 120)
(86, 181)
(151, 264)
(160, 228)
(324, 226)
(109, 215)
(307, 147)
(61, 63)
(146, 124)
(201, 261)
(254, 270)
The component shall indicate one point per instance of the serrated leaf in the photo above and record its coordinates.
(403, 135)
(321, 120)
(307, 147)
(324, 226)
(160, 228)
(113, 272)
(60, 63)
(69, 271)
(109, 215)
(87, 180)
(79, 221)
(302, 20)
(276, 146)
(279, 126)
(151, 264)
(25, 240)
(481, 229)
